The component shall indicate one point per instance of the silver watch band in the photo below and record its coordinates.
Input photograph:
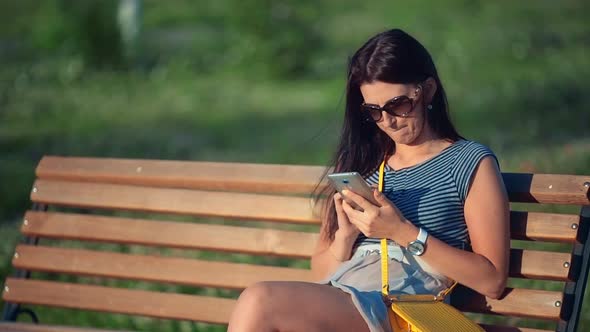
(422, 235)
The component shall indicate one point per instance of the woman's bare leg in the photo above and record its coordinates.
(275, 306)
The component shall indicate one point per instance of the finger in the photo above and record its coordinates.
(382, 199)
(351, 212)
(358, 199)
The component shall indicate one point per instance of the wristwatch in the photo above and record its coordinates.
(418, 246)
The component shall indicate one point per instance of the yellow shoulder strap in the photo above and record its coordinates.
(384, 253)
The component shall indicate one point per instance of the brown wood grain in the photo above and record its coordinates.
(534, 264)
(550, 227)
(216, 310)
(522, 187)
(119, 300)
(499, 328)
(171, 234)
(537, 265)
(184, 174)
(547, 188)
(172, 270)
(518, 302)
(176, 201)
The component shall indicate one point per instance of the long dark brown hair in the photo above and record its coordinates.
(394, 57)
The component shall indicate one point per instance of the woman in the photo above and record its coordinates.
(443, 207)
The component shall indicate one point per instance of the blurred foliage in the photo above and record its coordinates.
(282, 35)
(86, 28)
(263, 81)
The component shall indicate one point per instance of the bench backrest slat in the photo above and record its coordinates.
(524, 263)
(183, 174)
(538, 188)
(173, 270)
(165, 305)
(176, 201)
(519, 302)
(120, 300)
(171, 234)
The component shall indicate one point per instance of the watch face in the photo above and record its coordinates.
(416, 248)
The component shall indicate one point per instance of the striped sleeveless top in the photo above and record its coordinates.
(431, 194)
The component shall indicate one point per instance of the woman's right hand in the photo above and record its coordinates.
(346, 229)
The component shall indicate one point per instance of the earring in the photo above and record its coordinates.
(429, 107)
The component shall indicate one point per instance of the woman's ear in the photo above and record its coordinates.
(430, 87)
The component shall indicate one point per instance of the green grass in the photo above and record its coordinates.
(515, 74)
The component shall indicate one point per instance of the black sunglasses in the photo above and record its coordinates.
(398, 106)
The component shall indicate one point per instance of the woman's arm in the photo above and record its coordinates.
(487, 216)
(328, 255)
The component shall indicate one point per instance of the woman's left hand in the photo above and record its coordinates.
(375, 221)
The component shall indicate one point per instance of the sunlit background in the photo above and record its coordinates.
(263, 81)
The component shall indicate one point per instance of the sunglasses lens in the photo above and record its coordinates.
(371, 113)
(399, 107)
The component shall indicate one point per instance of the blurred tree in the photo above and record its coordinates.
(129, 17)
(283, 35)
(87, 28)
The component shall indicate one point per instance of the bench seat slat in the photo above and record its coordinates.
(516, 302)
(29, 327)
(259, 241)
(118, 300)
(184, 174)
(173, 270)
(176, 201)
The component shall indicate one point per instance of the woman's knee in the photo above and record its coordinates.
(258, 297)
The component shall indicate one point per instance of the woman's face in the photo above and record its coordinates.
(402, 130)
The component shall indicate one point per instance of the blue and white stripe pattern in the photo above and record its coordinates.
(432, 194)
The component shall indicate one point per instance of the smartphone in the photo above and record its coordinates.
(354, 182)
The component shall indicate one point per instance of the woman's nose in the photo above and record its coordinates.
(388, 118)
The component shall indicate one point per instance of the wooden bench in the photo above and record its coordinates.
(139, 237)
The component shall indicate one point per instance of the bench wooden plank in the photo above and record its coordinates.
(518, 302)
(173, 270)
(196, 272)
(524, 263)
(539, 226)
(183, 174)
(117, 300)
(524, 226)
(542, 188)
(499, 328)
(217, 310)
(258, 241)
(30, 327)
(177, 201)
(534, 264)
(547, 188)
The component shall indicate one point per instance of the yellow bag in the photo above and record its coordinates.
(420, 313)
